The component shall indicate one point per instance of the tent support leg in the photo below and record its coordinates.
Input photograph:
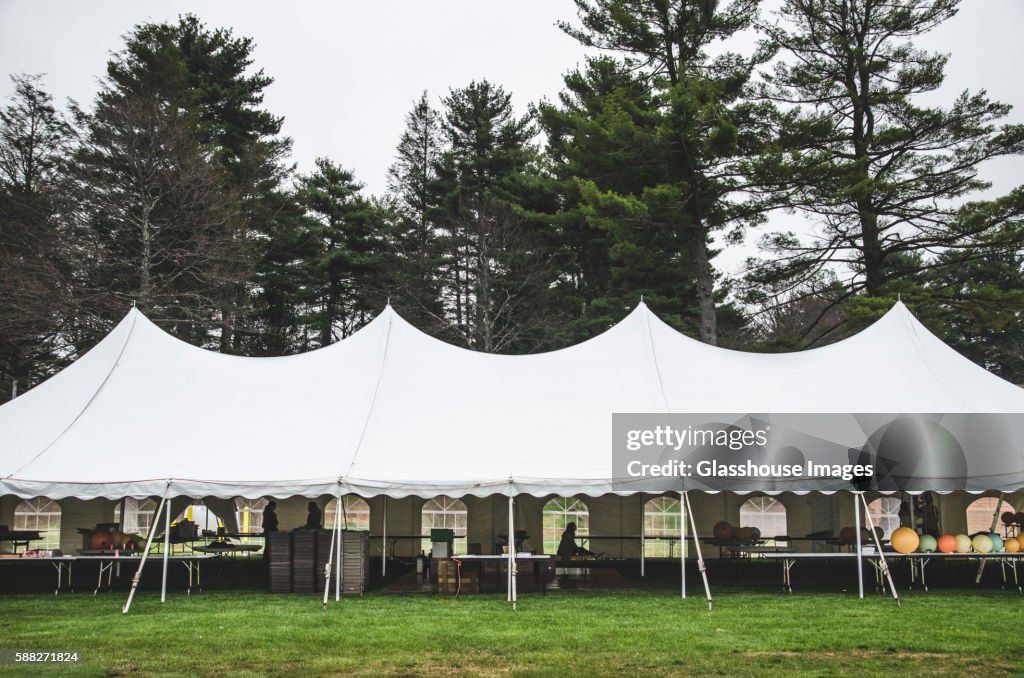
(384, 541)
(338, 555)
(860, 556)
(995, 520)
(682, 544)
(145, 554)
(330, 554)
(700, 556)
(643, 529)
(167, 547)
(883, 566)
(511, 552)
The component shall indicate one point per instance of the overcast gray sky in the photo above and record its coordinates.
(346, 73)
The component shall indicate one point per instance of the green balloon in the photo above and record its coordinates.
(997, 542)
(927, 544)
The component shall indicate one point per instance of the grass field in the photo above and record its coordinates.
(565, 633)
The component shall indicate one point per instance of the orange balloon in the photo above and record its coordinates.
(904, 540)
(1011, 545)
(947, 543)
(1020, 541)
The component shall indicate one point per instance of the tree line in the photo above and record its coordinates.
(518, 231)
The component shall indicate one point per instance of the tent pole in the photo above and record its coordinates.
(995, 519)
(860, 556)
(682, 543)
(338, 554)
(330, 554)
(167, 545)
(643, 529)
(145, 554)
(700, 556)
(384, 541)
(883, 566)
(511, 552)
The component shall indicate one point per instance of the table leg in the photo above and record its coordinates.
(923, 562)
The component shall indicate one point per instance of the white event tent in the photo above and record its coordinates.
(392, 411)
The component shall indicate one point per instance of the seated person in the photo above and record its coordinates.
(568, 548)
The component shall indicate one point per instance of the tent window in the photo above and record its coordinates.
(199, 514)
(661, 519)
(138, 515)
(766, 514)
(979, 514)
(249, 514)
(354, 516)
(39, 515)
(885, 512)
(558, 513)
(445, 512)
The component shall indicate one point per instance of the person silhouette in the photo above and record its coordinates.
(270, 517)
(314, 516)
(567, 548)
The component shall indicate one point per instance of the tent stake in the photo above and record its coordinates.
(167, 545)
(995, 519)
(145, 554)
(700, 556)
(860, 556)
(883, 566)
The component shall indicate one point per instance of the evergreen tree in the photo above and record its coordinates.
(204, 75)
(412, 181)
(883, 174)
(35, 264)
(154, 219)
(493, 263)
(604, 146)
(345, 275)
(704, 123)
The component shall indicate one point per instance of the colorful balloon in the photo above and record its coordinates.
(947, 543)
(904, 540)
(928, 544)
(982, 543)
(997, 542)
(1011, 545)
(963, 543)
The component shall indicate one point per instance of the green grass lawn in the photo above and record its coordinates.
(563, 633)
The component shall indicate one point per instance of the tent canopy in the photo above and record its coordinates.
(393, 411)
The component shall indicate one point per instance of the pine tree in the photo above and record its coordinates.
(883, 174)
(704, 122)
(493, 264)
(35, 264)
(205, 75)
(345, 274)
(412, 181)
